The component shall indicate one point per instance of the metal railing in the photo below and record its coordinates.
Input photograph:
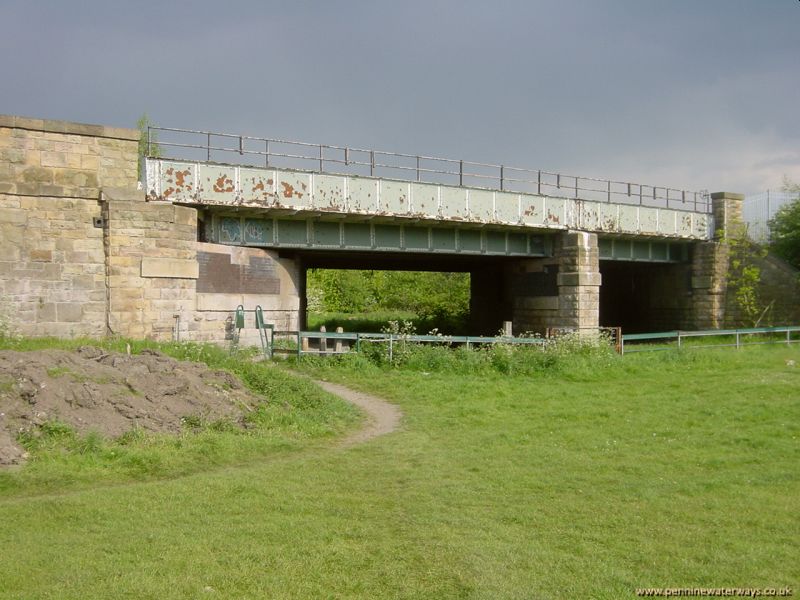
(342, 160)
(345, 342)
(733, 338)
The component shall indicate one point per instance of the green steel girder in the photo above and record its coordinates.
(391, 237)
(642, 250)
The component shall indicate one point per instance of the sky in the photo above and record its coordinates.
(690, 94)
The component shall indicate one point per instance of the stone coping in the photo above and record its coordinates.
(68, 127)
(726, 196)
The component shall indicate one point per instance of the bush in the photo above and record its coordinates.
(570, 355)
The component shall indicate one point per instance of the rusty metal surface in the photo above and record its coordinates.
(270, 189)
(340, 160)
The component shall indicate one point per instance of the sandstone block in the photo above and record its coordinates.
(170, 268)
(69, 312)
(13, 216)
(46, 312)
(123, 194)
(581, 278)
(35, 174)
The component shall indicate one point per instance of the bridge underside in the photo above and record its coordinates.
(264, 230)
(642, 297)
(570, 288)
(536, 279)
(534, 259)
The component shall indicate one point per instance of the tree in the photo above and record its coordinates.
(785, 228)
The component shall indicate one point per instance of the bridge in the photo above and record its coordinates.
(222, 220)
(336, 206)
(359, 199)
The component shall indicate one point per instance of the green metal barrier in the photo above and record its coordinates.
(267, 340)
(238, 325)
(265, 330)
(680, 336)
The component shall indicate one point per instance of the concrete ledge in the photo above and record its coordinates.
(123, 194)
(68, 127)
(218, 302)
(727, 196)
(579, 278)
(171, 268)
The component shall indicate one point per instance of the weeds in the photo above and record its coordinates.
(569, 354)
(8, 331)
(287, 412)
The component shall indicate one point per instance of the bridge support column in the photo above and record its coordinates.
(562, 291)
(578, 281)
(710, 263)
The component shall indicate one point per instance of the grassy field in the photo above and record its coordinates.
(583, 478)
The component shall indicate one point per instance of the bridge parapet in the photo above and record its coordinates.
(282, 191)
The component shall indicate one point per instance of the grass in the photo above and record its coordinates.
(292, 414)
(663, 469)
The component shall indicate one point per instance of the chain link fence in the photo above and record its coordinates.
(758, 209)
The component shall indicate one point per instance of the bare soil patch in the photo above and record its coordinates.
(110, 393)
(382, 416)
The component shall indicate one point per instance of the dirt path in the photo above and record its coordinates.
(382, 416)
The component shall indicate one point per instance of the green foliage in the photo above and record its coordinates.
(566, 356)
(744, 275)
(340, 290)
(442, 298)
(785, 229)
(7, 328)
(145, 150)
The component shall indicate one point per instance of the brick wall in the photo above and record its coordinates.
(714, 300)
(52, 266)
(83, 254)
(52, 260)
(152, 268)
(779, 293)
(67, 160)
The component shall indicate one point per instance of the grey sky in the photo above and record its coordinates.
(690, 94)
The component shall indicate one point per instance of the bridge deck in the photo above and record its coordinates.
(276, 192)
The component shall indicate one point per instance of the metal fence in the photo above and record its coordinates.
(730, 338)
(759, 209)
(320, 343)
(342, 160)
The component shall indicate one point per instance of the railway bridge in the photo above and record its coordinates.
(93, 246)
(543, 249)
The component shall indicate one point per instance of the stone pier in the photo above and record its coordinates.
(82, 253)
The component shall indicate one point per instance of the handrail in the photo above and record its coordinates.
(678, 336)
(345, 160)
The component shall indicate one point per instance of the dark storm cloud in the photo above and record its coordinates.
(687, 94)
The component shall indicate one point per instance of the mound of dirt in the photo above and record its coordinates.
(110, 393)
